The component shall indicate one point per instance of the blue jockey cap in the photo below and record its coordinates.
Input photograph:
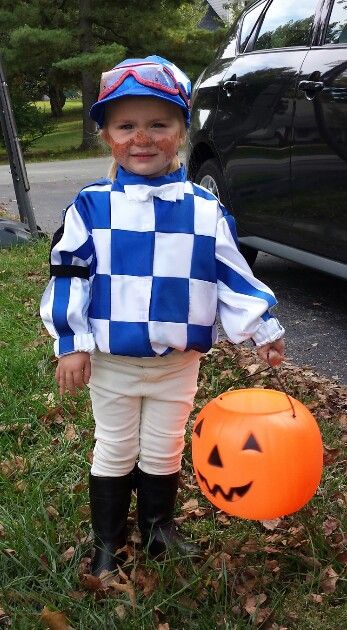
(130, 86)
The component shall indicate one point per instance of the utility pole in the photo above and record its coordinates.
(15, 156)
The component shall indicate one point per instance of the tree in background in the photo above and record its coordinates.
(54, 45)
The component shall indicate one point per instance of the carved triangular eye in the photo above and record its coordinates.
(198, 427)
(251, 444)
(214, 458)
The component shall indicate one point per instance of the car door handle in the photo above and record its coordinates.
(230, 85)
(311, 86)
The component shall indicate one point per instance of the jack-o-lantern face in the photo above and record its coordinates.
(252, 463)
(214, 459)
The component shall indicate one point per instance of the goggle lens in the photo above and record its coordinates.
(151, 75)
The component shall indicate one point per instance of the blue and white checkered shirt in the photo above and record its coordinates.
(140, 267)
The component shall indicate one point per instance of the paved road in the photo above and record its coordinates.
(53, 186)
(312, 305)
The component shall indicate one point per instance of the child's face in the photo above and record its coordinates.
(144, 133)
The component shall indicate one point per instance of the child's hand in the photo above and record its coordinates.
(73, 372)
(272, 353)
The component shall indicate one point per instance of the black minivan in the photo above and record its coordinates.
(269, 130)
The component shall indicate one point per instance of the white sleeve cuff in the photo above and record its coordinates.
(268, 331)
(84, 342)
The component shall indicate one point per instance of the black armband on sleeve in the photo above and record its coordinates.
(69, 271)
(65, 271)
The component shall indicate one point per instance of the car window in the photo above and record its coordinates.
(286, 24)
(337, 27)
(248, 24)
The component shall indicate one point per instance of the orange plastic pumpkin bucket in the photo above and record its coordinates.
(252, 458)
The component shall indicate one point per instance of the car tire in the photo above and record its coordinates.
(209, 177)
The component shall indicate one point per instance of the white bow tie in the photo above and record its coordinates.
(167, 192)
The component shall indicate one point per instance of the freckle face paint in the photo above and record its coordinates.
(120, 150)
(168, 145)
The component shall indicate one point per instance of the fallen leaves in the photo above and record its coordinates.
(54, 620)
(330, 525)
(271, 525)
(13, 466)
(328, 580)
(53, 415)
(110, 585)
(70, 432)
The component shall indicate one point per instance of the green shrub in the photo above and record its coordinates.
(31, 122)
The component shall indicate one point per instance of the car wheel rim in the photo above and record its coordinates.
(209, 183)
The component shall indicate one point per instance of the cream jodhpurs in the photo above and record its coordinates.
(140, 407)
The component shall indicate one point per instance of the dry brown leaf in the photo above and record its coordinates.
(54, 620)
(146, 580)
(222, 560)
(53, 415)
(21, 485)
(272, 565)
(84, 511)
(127, 588)
(70, 432)
(253, 602)
(270, 549)
(271, 525)
(187, 602)
(120, 611)
(52, 512)
(2, 531)
(79, 487)
(328, 581)
(135, 537)
(261, 615)
(343, 421)
(253, 368)
(16, 464)
(330, 525)
(309, 561)
(250, 546)
(190, 505)
(4, 618)
(316, 598)
(92, 583)
(77, 595)
(67, 555)
(330, 455)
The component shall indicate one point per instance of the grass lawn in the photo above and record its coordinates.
(289, 574)
(63, 142)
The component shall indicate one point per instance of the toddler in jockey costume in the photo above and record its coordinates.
(140, 267)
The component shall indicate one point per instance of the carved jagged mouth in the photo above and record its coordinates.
(240, 491)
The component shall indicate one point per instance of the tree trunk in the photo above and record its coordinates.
(57, 99)
(89, 140)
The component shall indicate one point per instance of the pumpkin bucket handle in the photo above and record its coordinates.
(280, 382)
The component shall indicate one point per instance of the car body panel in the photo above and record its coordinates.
(252, 130)
(282, 152)
(319, 156)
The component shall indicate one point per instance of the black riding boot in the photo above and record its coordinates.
(109, 504)
(156, 496)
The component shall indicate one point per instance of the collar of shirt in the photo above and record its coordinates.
(140, 188)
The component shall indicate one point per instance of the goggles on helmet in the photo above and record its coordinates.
(153, 75)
